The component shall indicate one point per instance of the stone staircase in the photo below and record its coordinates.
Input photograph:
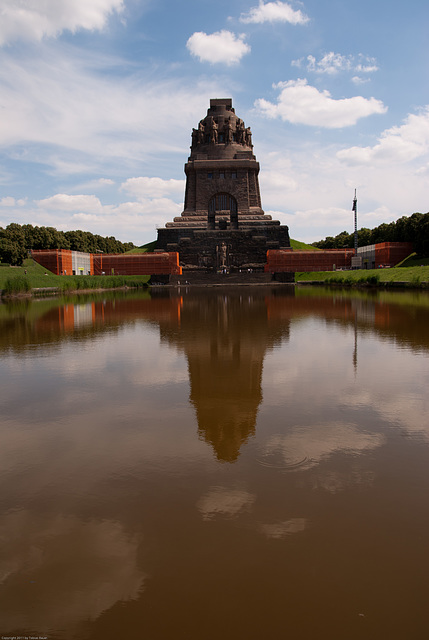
(200, 278)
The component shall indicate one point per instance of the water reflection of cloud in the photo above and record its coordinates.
(280, 530)
(410, 411)
(62, 571)
(311, 445)
(221, 501)
(74, 454)
(105, 402)
(335, 481)
(137, 357)
(396, 391)
(294, 368)
(361, 376)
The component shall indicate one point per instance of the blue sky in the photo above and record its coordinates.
(98, 99)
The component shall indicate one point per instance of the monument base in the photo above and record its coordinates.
(218, 249)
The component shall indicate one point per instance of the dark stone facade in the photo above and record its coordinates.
(222, 225)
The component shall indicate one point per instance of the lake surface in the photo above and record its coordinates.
(207, 464)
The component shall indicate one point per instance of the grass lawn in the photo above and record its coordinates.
(33, 271)
(413, 261)
(301, 246)
(150, 246)
(412, 275)
(39, 277)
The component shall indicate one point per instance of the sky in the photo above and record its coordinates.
(98, 99)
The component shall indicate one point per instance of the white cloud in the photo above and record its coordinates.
(358, 80)
(90, 185)
(8, 201)
(64, 100)
(273, 12)
(310, 189)
(371, 67)
(34, 20)
(127, 221)
(143, 188)
(332, 63)
(220, 47)
(398, 144)
(65, 202)
(301, 103)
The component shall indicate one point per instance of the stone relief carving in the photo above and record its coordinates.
(200, 132)
(223, 254)
(240, 135)
(209, 131)
(228, 132)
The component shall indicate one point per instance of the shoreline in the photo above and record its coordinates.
(57, 291)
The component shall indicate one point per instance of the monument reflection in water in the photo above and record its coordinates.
(215, 465)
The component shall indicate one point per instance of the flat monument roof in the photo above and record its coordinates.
(217, 102)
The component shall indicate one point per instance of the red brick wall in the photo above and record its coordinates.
(278, 260)
(390, 253)
(65, 262)
(55, 260)
(59, 261)
(48, 259)
(138, 264)
(386, 253)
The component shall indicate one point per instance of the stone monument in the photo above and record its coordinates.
(222, 226)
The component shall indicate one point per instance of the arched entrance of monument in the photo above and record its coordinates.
(223, 206)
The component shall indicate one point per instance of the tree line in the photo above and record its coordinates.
(414, 228)
(17, 240)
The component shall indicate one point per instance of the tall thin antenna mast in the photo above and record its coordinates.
(354, 208)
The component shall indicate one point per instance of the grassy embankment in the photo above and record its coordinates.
(301, 246)
(150, 246)
(412, 272)
(33, 276)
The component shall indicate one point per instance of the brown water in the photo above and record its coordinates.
(240, 464)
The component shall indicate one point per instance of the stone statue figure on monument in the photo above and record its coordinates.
(221, 251)
(228, 132)
(214, 133)
(200, 132)
(240, 132)
(248, 137)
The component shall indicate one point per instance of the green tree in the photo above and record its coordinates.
(13, 247)
(364, 237)
(421, 242)
(12, 252)
(383, 233)
(344, 239)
